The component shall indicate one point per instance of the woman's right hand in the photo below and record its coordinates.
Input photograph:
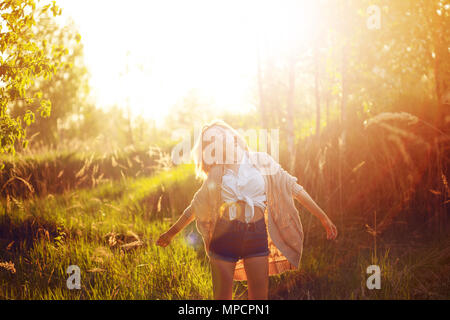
(164, 240)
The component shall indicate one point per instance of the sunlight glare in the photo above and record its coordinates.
(148, 54)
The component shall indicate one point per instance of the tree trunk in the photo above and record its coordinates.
(344, 85)
(316, 87)
(262, 102)
(440, 27)
(290, 114)
(327, 106)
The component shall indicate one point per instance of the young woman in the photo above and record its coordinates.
(245, 213)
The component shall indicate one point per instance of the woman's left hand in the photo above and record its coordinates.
(330, 228)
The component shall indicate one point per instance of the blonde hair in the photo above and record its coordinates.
(201, 168)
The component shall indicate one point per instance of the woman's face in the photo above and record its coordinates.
(226, 139)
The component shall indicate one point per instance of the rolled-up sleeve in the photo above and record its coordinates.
(196, 200)
(290, 180)
(297, 189)
(201, 198)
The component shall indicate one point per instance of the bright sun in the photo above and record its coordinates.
(148, 54)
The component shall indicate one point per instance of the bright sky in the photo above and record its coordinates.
(172, 46)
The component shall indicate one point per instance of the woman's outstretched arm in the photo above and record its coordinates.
(304, 198)
(186, 217)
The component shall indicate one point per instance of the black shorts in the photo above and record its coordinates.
(234, 239)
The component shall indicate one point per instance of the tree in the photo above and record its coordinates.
(23, 60)
(67, 89)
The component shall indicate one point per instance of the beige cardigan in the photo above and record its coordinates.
(285, 230)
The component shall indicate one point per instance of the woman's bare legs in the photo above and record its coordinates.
(222, 278)
(257, 270)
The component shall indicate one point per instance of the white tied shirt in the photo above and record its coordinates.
(248, 185)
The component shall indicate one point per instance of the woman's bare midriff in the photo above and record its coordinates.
(240, 216)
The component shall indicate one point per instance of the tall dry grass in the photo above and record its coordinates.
(383, 182)
(31, 175)
(394, 166)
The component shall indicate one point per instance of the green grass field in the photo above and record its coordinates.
(109, 232)
(352, 98)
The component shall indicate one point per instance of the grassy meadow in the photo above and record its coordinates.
(108, 227)
(351, 97)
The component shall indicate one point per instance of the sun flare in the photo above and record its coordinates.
(149, 54)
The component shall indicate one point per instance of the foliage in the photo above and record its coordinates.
(23, 60)
(68, 87)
